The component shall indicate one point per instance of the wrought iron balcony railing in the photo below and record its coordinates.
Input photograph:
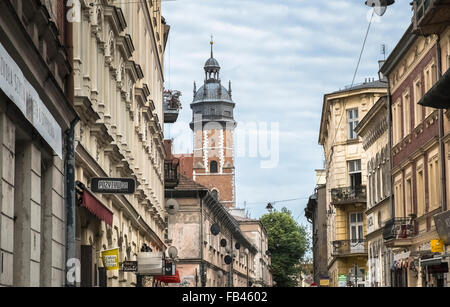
(171, 175)
(400, 228)
(349, 247)
(348, 195)
(430, 16)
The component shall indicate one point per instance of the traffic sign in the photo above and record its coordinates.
(113, 185)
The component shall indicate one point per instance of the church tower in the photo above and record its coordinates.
(213, 125)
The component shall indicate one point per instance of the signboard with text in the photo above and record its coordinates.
(22, 93)
(113, 185)
(129, 266)
(110, 259)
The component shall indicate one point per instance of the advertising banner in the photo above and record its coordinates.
(111, 259)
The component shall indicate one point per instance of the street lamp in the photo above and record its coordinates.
(379, 6)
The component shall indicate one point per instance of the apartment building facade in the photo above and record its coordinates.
(118, 64)
(416, 159)
(212, 249)
(256, 233)
(35, 119)
(346, 169)
(374, 132)
(316, 214)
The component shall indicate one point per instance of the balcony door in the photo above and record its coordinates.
(354, 172)
(356, 232)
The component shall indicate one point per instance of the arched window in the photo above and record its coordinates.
(213, 167)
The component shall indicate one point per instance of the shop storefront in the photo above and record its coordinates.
(434, 271)
(399, 269)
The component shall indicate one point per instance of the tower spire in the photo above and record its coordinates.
(212, 43)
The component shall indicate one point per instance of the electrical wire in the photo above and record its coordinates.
(354, 76)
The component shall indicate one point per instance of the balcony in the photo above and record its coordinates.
(400, 232)
(343, 248)
(431, 16)
(348, 195)
(171, 106)
(171, 175)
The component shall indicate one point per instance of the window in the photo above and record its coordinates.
(352, 119)
(397, 121)
(418, 114)
(406, 113)
(420, 193)
(354, 171)
(398, 199)
(408, 193)
(213, 167)
(430, 74)
(434, 183)
(356, 230)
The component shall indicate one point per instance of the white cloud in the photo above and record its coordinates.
(282, 57)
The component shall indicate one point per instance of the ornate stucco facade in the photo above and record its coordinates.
(118, 60)
(374, 132)
(346, 169)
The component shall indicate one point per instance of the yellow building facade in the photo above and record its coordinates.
(346, 169)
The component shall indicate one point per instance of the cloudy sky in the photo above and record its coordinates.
(282, 56)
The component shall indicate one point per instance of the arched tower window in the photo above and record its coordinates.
(213, 167)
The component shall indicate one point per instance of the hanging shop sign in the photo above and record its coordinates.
(129, 266)
(342, 280)
(437, 246)
(150, 263)
(110, 259)
(14, 84)
(402, 256)
(113, 185)
(324, 282)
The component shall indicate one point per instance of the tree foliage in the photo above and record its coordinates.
(288, 243)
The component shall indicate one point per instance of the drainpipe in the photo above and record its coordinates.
(201, 243)
(441, 130)
(69, 163)
(232, 260)
(391, 162)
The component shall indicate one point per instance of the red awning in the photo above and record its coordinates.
(169, 279)
(97, 208)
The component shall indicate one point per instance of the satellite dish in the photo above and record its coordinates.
(220, 274)
(223, 242)
(173, 252)
(215, 229)
(227, 259)
(228, 250)
(246, 251)
(172, 206)
(237, 245)
(379, 6)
